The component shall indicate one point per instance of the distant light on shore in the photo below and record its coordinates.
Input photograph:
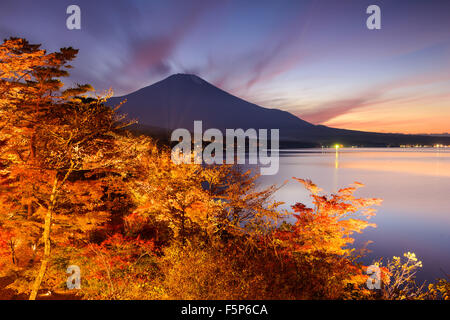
(425, 146)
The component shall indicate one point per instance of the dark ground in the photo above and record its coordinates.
(10, 294)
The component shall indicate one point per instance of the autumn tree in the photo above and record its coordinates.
(77, 189)
(247, 208)
(55, 142)
(319, 243)
(172, 195)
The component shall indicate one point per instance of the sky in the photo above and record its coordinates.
(313, 58)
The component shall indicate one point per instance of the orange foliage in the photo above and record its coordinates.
(329, 225)
(77, 189)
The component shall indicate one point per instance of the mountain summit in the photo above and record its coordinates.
(178, 100)
(181, 99)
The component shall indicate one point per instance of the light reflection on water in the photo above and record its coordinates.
(413, 183)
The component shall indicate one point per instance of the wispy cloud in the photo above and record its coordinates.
(265, 51)
(380, 94)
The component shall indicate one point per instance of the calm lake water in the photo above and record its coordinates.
(413, 183)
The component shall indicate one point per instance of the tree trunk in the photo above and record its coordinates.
(32, 146)
(182, 228)
(29, 209)
(47, 244)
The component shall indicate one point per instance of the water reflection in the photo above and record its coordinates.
(336, 161)
(414, 183)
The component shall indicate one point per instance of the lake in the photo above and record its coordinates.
(413, 183)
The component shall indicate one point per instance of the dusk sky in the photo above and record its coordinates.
(315, 59)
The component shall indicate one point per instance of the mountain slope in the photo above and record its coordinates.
(178, 100)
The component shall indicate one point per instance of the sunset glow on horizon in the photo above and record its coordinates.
(235, 153)
(315, 59)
